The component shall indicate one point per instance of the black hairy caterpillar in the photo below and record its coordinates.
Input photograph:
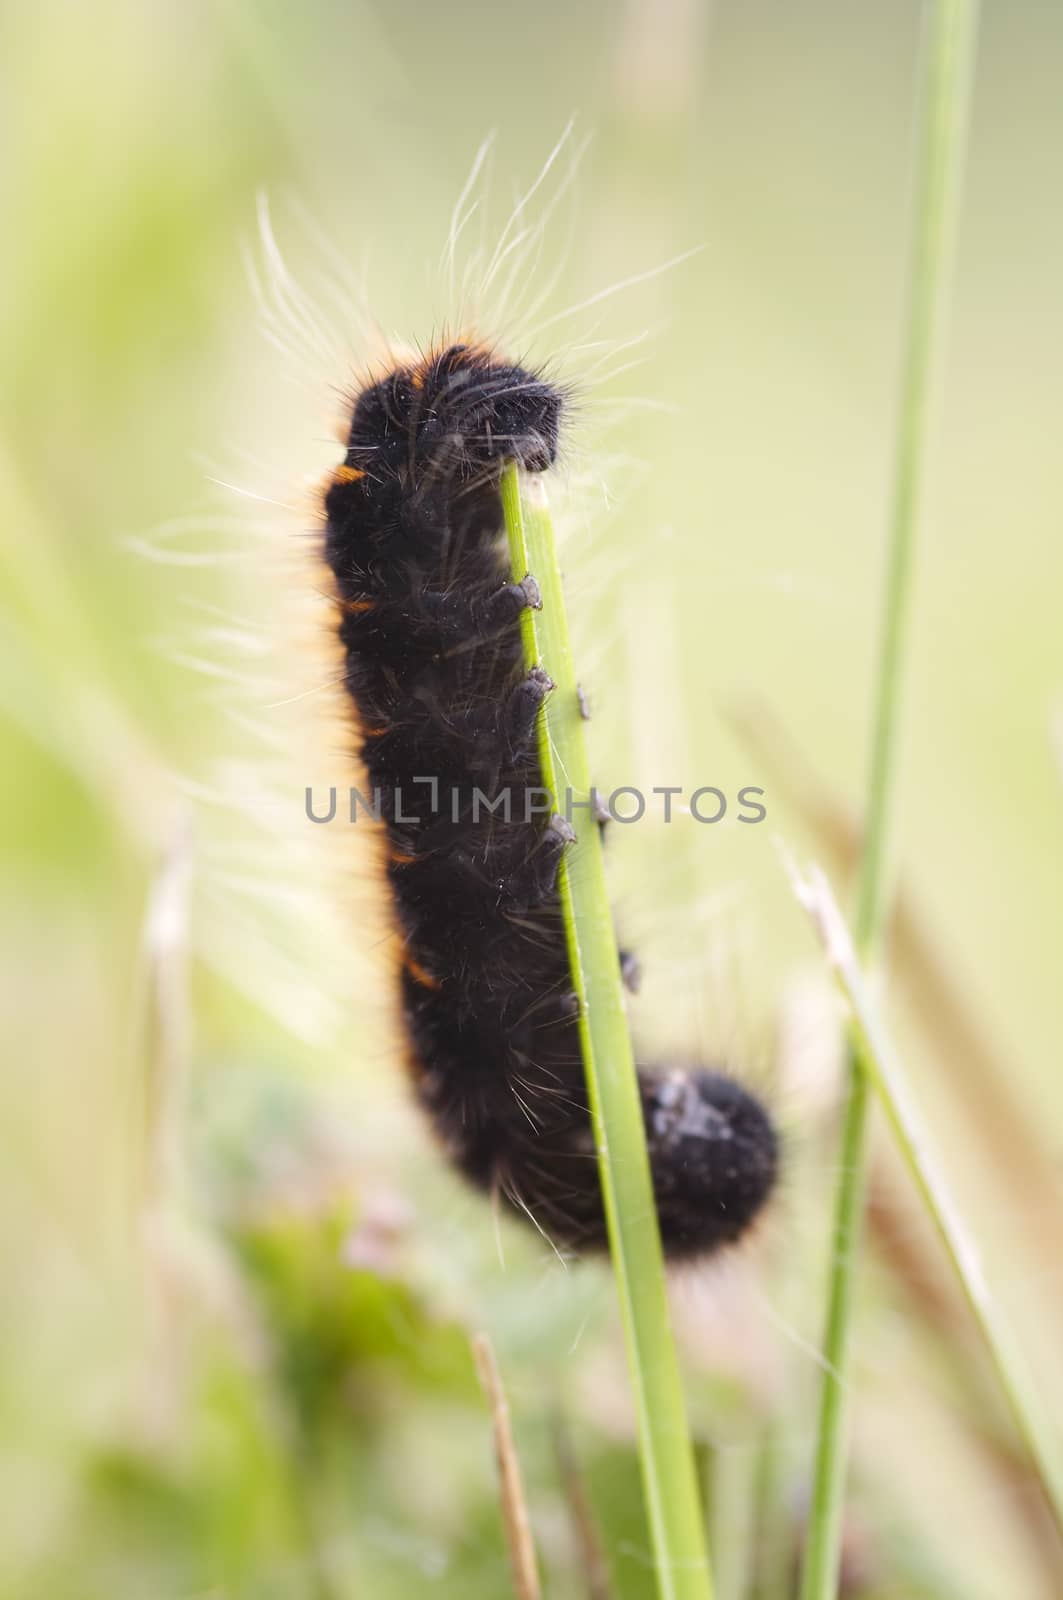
(429, 624)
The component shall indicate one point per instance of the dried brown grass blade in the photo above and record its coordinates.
(514, 1505)
(594, 1566)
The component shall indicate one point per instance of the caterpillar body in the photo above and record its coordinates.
(429, 623)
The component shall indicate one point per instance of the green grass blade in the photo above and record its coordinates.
(874, 1047)
(670, 1484)
(949, 55)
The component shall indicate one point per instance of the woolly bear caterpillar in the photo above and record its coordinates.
(445, 712)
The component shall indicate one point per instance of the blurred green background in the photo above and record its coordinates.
(238, 1285)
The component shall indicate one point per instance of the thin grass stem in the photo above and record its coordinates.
(948, 61)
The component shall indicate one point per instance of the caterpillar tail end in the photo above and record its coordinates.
(714, 1154)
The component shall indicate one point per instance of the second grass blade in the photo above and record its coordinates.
(875, 1048)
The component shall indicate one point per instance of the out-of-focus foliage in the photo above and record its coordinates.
(238, 1282)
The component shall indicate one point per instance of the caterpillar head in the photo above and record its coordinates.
(476, 412)
(450, 419)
